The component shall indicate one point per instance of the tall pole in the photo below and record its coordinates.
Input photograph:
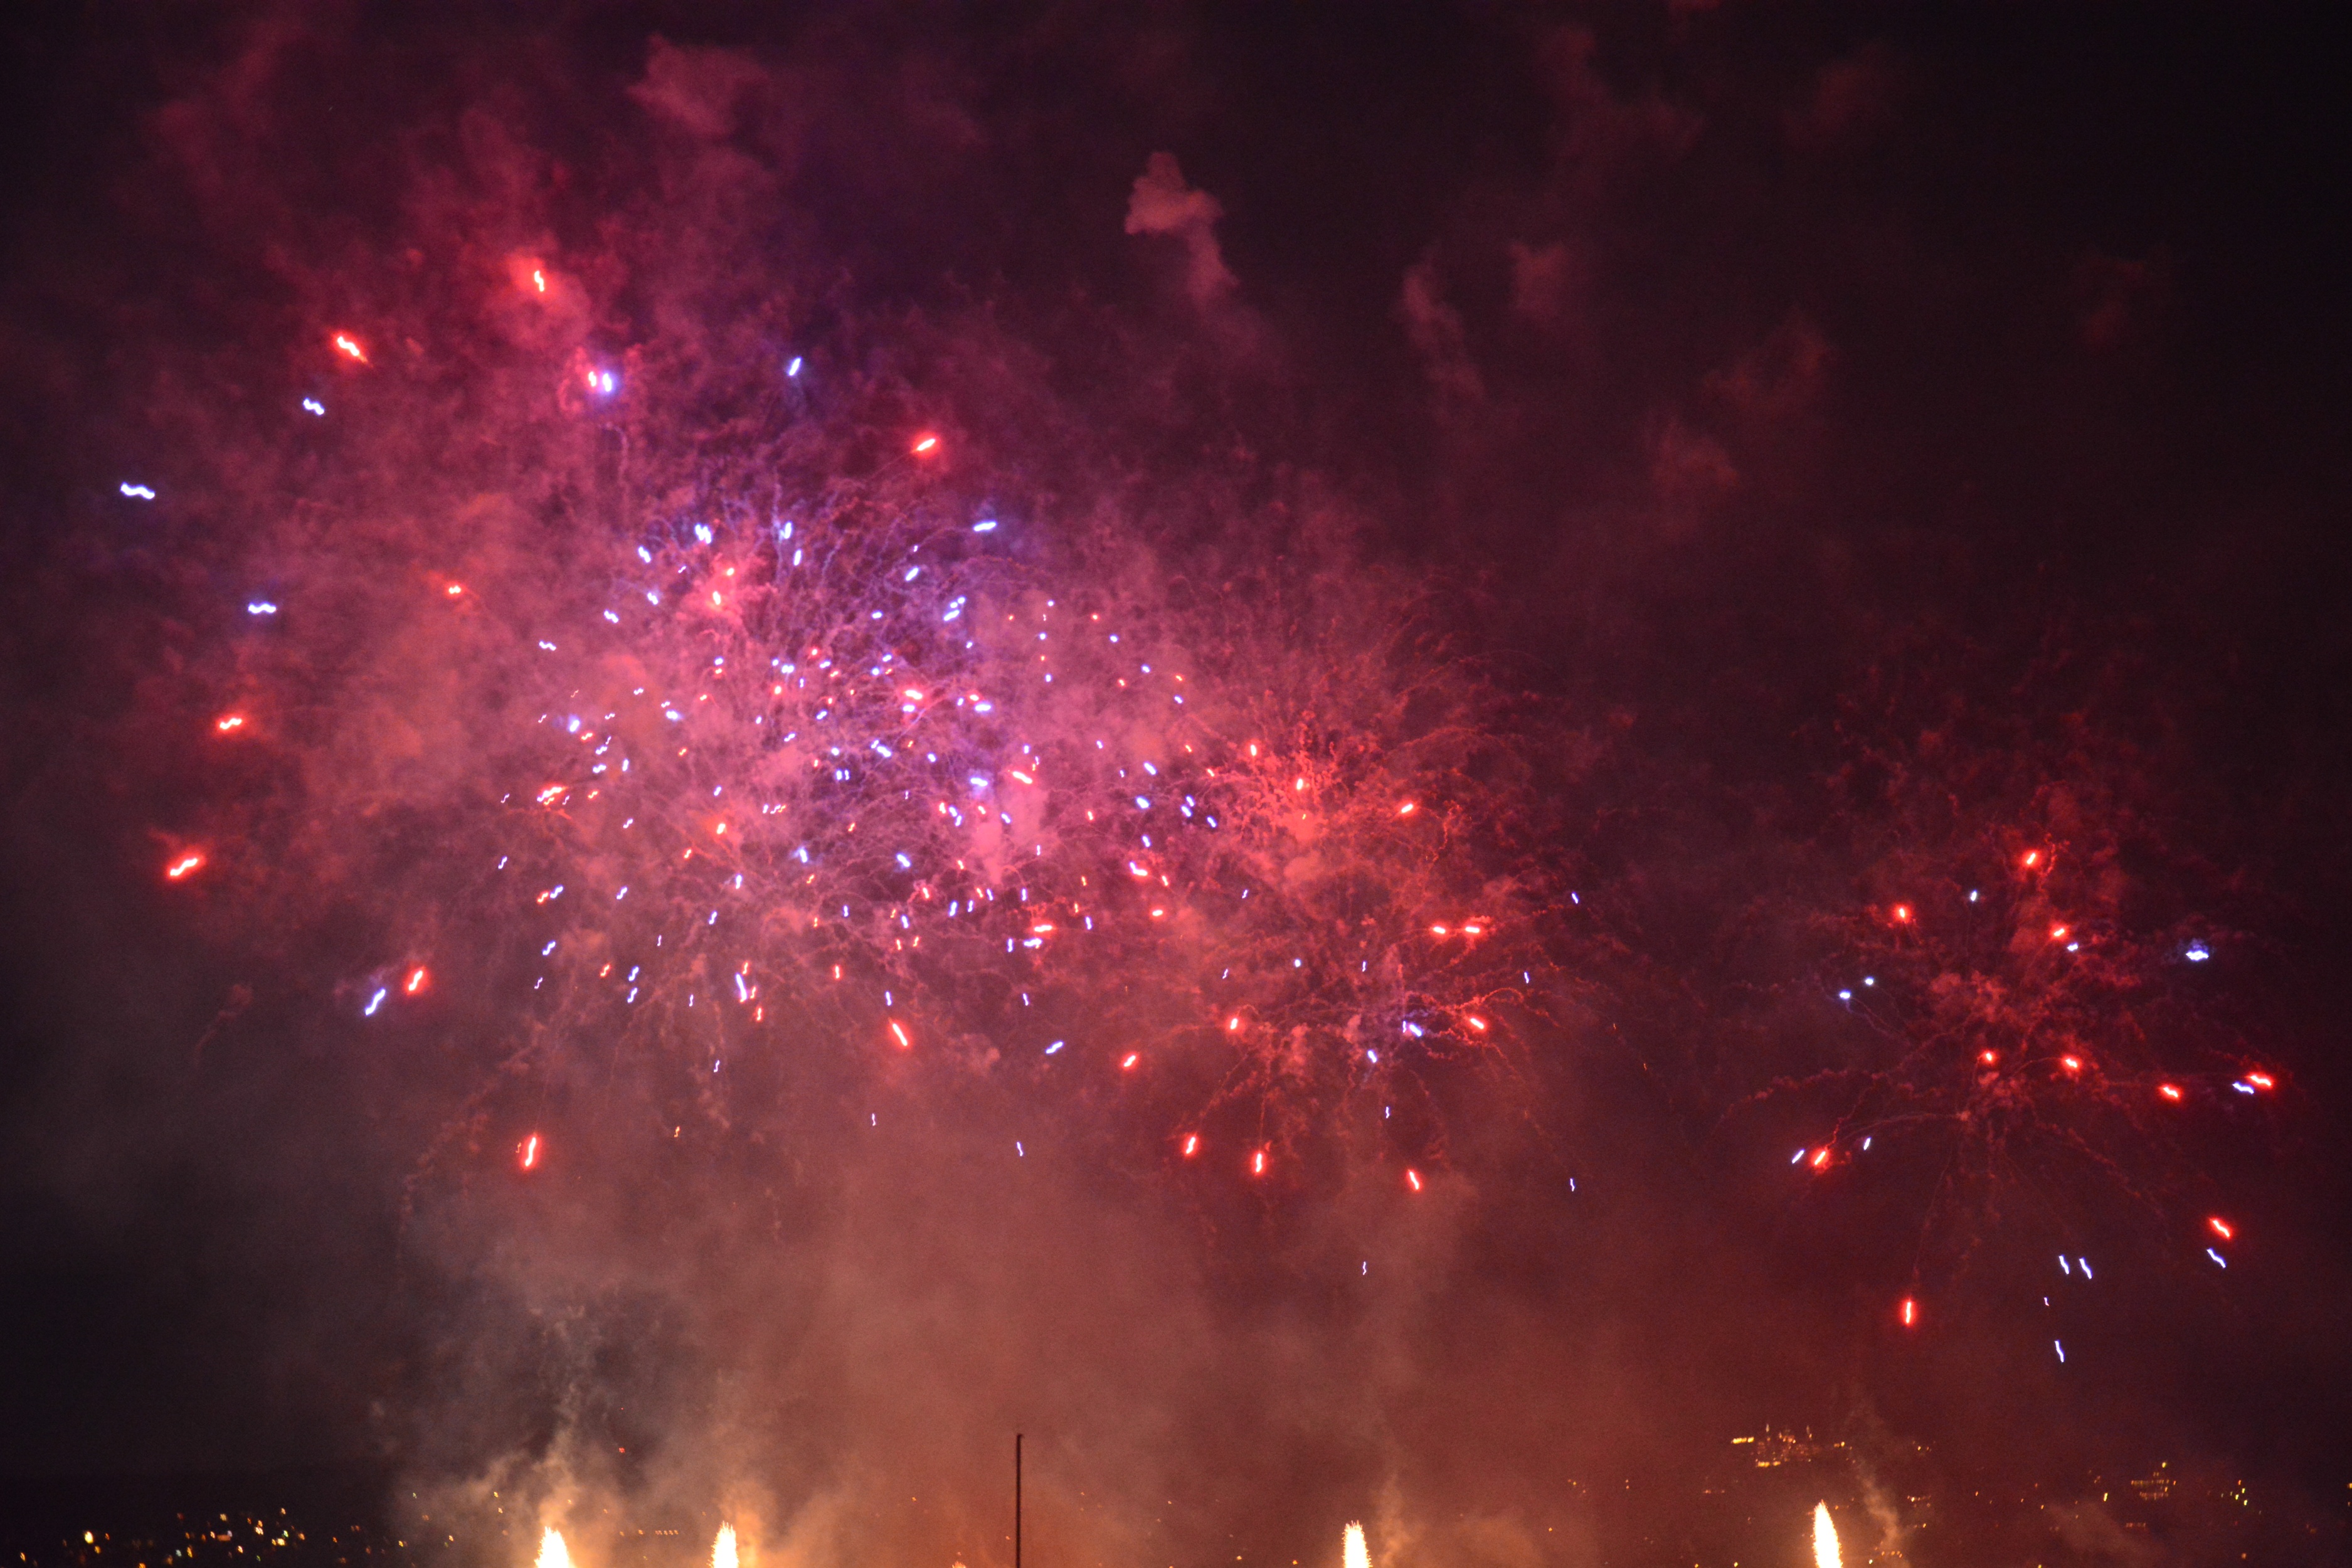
(1016, 1500)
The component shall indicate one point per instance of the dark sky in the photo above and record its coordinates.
(1824, 453)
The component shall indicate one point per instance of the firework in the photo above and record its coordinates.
(817, 760)
(2005, 1017)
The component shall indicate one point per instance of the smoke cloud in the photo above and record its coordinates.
(1622, 599)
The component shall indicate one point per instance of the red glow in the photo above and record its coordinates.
(2057, 933)
(927, 444)
(229, 722)
(2072, 1064)
(1987, 1057)
(1438, 931)
(1191, 1144)
(2170, 1092)
(1413, 1179)
(1910, 1312)
(2222, 1230)
(2261, 1081)
(538, 280)
(1127, 1065)
(1408, 808)
(904, 1043)
(1903, 914)
(1822, 1158)
(349, 345)
(456, 589)
(416, 979)
(2033, 859)
(193, 860)
(1234, 1024)
(530, 1151)
(1475, 1022)
(1257, 1164)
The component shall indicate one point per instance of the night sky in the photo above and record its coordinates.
(1788, 495)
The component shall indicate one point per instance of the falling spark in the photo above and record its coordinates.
(417, 978)
(722, 1550)
(925, 445)
(350, 346)
(1413, 1179)
(552, 1553)
(229, 722)
(899, 1030)
(1910, 1312)
(529, 1160)
(1352, 1551)
(1825, 1542)
(186, 863)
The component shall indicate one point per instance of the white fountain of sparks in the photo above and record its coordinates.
(1825, 1546)
(1356, 1556)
